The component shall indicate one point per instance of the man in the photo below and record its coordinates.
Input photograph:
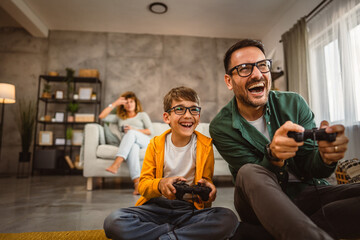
(278, 181)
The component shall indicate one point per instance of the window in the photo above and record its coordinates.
(355, 44)
(334, 68)
(334, 81)
(334, 63)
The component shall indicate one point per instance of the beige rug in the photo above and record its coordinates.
(73, 235)
(76, 235)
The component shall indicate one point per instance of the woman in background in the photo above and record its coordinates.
(136, 128)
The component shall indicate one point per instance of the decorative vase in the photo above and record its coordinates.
(24, 159)
(70, 118)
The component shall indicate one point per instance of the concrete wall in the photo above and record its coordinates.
(149, 65)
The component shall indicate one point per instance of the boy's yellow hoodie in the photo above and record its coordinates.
(153, 166)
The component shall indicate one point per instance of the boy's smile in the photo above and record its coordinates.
(182, 126)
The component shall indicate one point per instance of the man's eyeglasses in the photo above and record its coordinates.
(181, 110)
(246, 69)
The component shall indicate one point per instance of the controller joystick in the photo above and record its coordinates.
(182, 188)
(314, 134)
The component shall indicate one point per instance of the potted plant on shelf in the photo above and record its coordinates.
(26, 126)
(68, 135)
(46, 90)
(69, 79)
(72, 108)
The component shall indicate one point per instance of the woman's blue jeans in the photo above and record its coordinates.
(129, 149)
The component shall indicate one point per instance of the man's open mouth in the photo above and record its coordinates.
(257, 88)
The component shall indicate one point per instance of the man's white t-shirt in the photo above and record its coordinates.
(180, 161)
(260, 125)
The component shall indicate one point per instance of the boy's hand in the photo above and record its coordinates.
(166, 187)
(212, 194)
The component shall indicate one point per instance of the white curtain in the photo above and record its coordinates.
(334, 68)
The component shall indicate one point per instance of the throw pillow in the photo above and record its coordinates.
(110, 138)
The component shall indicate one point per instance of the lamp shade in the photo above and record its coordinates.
(7, 93)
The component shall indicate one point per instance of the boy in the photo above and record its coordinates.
(179, 154)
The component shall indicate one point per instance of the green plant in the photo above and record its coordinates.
(47, 87)
(26, 124)
(72, 107)
(69, 131)
(69, 78)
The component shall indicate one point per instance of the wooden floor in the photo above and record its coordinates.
(62, 203)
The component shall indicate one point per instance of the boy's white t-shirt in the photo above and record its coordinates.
(180, 161)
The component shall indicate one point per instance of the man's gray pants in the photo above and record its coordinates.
(259, 199)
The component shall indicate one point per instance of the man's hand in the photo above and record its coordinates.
(212, 194)
(333, 151)
(282, 147)
(166, 187)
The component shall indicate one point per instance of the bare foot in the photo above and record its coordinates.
(116, 165)
(136, 187)
(114, 168)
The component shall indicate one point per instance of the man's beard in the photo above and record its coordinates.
(248, 102)
(245, 98)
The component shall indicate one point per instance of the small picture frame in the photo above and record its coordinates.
(45, 138)
(59, 141)
(77, 137)
(85, 93)
(59, 116)
(59, 94)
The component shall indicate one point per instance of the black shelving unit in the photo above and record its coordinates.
(48, 106)
(275, 76)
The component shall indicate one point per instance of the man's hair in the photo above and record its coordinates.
(241, 44)
(178, 94)
(121, 112)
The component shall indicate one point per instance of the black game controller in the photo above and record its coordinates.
(314, 134)
(182, 188)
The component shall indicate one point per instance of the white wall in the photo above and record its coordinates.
(274, 48)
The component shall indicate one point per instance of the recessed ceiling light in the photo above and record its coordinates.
(158, 8)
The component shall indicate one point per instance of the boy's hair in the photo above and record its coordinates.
(121, 112)
(178, 94)
(241, 44)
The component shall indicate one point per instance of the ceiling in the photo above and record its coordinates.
(205, 18)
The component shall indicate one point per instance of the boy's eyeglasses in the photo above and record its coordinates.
(181, 110)
(246, 69)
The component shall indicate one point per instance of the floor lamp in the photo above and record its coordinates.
(7, 95)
